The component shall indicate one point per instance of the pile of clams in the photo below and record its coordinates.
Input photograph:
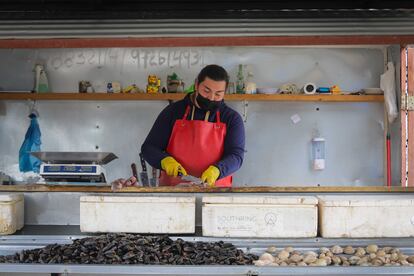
(372, 255)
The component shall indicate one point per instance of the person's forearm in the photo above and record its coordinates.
(229, 164)
(156, 142)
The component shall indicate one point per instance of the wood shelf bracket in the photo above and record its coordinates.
(407, 103)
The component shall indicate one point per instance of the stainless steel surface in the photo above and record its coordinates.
(208, 27)
(15, 243)
(277, 149)
(202, 270)
(62, 157)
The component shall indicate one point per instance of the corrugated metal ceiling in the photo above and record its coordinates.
(160, 18)
(210, 27)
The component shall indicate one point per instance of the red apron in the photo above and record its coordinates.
(196, 145)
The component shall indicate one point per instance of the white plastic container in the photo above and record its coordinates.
(318, 153)
(11, 213)
(366, 216)
(260, 216)
(137, 214)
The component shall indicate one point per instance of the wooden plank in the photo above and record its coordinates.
(207, 41)
(403, 72)
(410, 125)
(179, 96)
(303, 97)
(92, 96)
(257, 189)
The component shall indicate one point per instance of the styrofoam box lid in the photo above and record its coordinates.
(281, 200)
(368, 200)
(11, 197)
(138, 199)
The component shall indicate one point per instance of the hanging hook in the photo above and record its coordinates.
(32, 108)
(245, 105)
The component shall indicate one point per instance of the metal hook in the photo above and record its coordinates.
(245, 105)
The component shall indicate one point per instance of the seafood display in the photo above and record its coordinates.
(372, 255)
(134, 249)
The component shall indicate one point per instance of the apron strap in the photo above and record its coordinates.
(187, 110)
(206, 117)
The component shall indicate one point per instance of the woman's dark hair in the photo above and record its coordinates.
(214, 72)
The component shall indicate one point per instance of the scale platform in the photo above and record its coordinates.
(74, 167)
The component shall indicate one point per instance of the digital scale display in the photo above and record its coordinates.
(69, 169)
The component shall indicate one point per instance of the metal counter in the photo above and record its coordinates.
(39, 236)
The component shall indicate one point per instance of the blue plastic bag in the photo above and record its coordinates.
(31, 142)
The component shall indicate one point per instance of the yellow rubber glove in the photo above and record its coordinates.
(172, 167)
(210, 175)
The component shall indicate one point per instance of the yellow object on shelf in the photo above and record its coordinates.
(154, 84)
(335, 89)
(132, 89)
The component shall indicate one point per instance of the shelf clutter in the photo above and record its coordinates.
(177, 96)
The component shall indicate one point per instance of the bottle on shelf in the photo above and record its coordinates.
(240, 89)
(41, 82)
(250, 87)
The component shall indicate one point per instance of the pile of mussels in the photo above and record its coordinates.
(134, 249)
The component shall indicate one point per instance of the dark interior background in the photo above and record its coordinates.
(202, 9)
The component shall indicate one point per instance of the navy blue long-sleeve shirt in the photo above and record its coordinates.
(155, 145)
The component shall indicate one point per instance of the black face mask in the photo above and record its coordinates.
(207, 104)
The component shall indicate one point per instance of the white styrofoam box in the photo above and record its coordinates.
(370, 216)
(11, 213)
(260, 216)
(135, 214)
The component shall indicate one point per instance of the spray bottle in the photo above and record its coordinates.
(41, 82)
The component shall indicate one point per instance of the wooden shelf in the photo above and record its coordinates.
(179, 96)
(257, 189)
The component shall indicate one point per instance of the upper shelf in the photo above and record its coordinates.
(179, 96)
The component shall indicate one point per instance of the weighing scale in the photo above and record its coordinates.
(74, 166)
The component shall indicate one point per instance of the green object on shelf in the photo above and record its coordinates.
(240, 89)
(190, 89)
(173, 76)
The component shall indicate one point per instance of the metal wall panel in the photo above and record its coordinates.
(302, 23)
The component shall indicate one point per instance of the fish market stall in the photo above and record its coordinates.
(320, 178)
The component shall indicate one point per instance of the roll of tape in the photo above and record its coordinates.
(309, 88)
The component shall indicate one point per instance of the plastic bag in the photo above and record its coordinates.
(31, 142)
(387, 84)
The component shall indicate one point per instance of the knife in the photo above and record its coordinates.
(154, 179)
(143, 174)
(134, 171)
(193, 179)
